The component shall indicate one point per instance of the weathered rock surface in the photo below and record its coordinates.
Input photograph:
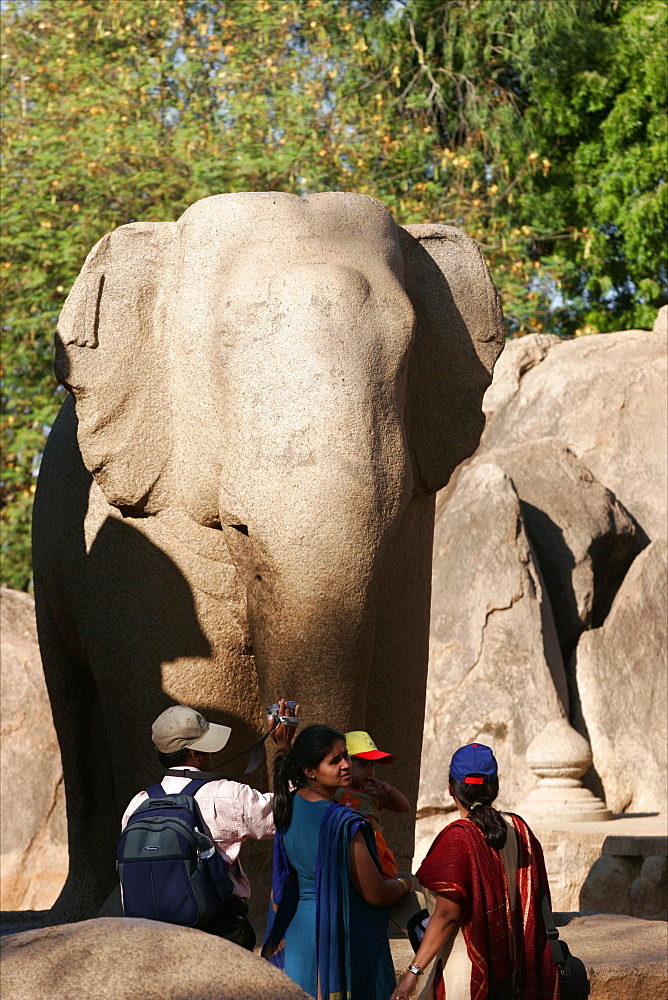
(625, 957)
(649, 892)
(495, 665)
(579, 427)
(33, 830)
(584, 539)
(621, 676)
(129, 959)
(607, 888)
(604, 396)
(519, 356)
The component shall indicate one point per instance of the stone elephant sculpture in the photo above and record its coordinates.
(236, 500)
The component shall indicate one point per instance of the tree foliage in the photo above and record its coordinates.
(555, 111)
(536, 125)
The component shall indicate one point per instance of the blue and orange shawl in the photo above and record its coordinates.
(462, 867)
(336, 939)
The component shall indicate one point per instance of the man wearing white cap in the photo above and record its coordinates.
(232, 811)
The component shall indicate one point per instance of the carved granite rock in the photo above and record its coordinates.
(649, 895)
(607, 888)
(621, 678)
(604, 396)
(495, 665)
(579, 427)
(236, 499)
(34, 835)
(584, 539)
(625, 957)
(114, 958)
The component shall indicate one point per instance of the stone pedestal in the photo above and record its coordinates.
(559, 756)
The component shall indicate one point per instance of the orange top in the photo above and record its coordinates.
(366, 802)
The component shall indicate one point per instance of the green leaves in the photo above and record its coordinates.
(538, 127)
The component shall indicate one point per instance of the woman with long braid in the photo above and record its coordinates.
(483, 878)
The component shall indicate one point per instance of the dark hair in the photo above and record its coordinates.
(173, 759)
(308, 750)
(479, 798)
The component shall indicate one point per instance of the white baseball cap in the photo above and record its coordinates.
(180, 727)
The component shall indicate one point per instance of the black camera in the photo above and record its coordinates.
(286, 720)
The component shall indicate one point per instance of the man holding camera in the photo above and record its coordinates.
(232, 810)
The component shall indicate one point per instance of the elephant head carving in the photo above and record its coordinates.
(160, 339)
(269, 390)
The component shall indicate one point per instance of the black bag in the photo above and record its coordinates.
(416, 927)
(573, 981)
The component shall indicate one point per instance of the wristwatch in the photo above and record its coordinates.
(415, 969)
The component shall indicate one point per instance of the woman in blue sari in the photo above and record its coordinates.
(328, 924)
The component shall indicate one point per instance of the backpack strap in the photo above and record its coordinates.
(156, 792)
(552, 932)
(190, 789)
(194, 786)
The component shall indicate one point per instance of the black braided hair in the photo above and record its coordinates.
(479, 798)
(310, 747)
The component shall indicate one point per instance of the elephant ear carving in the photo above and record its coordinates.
(112, 354)
(459, 334)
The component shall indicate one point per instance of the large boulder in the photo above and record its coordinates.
(649, 892)
(33, 831)
(495, 665)
(604, 396)
(584, 539)
(625, 957)
(579, 429)
(633, 885)
(621, 678)
(129, 959)
(519, 356)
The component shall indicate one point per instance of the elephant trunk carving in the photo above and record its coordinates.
(337, 460)
(236, 501)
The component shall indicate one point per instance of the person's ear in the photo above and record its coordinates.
(459, 334)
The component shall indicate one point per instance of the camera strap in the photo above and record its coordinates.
(254, 761)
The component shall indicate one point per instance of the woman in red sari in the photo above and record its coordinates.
(483, 878)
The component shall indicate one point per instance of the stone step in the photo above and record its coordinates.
(614, 867)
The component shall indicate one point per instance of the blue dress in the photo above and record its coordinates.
(366, 927)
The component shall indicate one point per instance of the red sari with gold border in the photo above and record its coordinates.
(506, 961)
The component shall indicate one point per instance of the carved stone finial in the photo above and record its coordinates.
(559, 756)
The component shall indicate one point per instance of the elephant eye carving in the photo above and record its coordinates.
(241, 528)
